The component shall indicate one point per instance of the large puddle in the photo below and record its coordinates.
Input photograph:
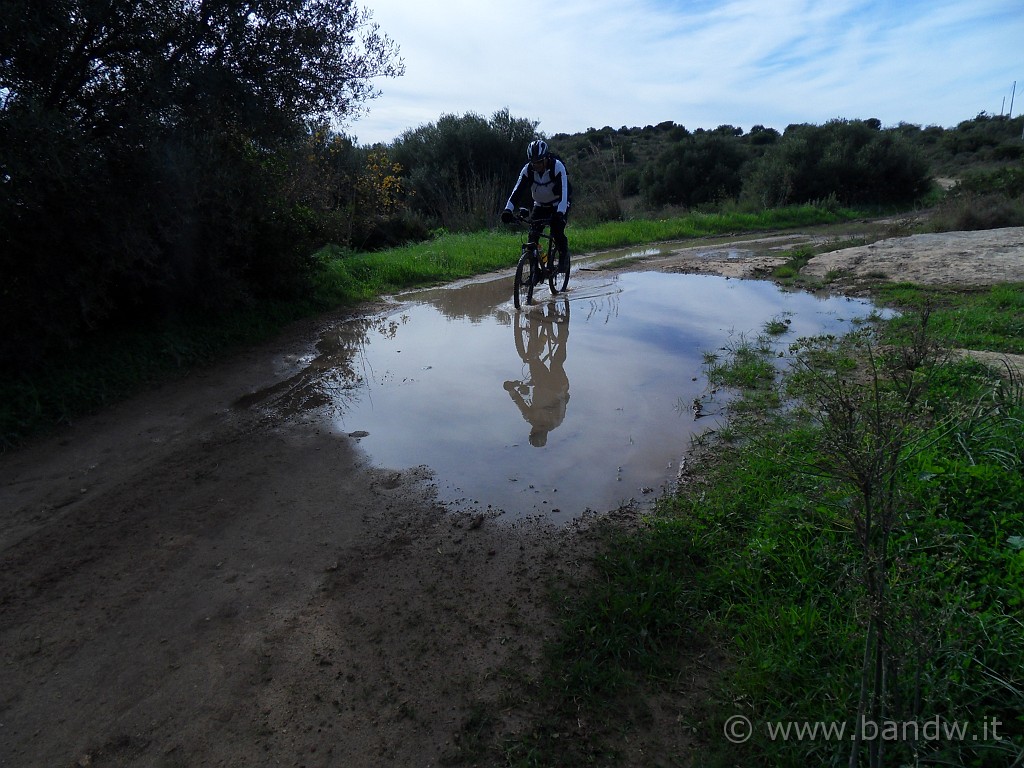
(580, 403)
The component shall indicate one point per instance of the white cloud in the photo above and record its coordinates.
(702, 63)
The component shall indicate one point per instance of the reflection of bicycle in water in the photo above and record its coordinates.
(542, 395)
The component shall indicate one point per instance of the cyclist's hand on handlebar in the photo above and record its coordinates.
(507, 217)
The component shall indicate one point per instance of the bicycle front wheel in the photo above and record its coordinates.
(522, 290)
(563, 277)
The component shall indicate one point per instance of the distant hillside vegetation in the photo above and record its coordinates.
(854, 162)
(456, 173)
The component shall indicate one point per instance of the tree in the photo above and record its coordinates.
(152, 151)
(704, 168)
(761, 136)
(261, 66)
(459, 168)
(852, 161)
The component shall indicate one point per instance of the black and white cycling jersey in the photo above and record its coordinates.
(548, 187)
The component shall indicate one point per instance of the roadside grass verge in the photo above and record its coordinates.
(350, 277)
(116, 364)
(856, 553)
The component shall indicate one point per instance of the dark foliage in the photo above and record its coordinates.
(853, 162)
(152, 151)
(698, 169)
(460, 170)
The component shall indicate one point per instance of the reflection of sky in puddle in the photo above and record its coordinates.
(579, 402)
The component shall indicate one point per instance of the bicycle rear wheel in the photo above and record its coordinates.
(557, 281)
(522, 289)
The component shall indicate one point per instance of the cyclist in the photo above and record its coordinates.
(548, 181)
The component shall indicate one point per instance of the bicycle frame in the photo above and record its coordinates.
(542, 229)
(536, 260)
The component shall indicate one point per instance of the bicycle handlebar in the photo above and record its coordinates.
(523, 216)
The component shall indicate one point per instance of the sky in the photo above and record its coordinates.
(571, 65)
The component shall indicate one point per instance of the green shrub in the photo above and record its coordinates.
(969, 211)
(852, 161)
(1004, 181)
(697, 170)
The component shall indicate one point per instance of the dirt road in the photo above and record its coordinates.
(188, 582)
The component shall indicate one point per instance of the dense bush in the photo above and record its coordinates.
(983, 200)
(156, 157)
(460, 170)
(697, 170)
(984, 131)
(983, 140)
(1005, 181)
(970, 211)
(852, 161)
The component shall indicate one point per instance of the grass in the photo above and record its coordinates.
(352, 277)
(766, 556)
(115, 365)
(986, 318)
(777, 326)
(796, 259)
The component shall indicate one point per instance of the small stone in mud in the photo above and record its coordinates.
(358, 434)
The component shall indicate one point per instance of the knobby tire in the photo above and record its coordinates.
(564, 276)
(557, 281)
(522, 291)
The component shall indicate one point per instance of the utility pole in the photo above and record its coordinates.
(1012, 94)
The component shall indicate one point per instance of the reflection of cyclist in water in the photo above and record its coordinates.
(541, 343)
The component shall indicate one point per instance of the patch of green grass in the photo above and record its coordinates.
(747, 365)
(352, 277)
(741, 364)
(615, 234)
(987, 318)
(797, 258)
(777, 326)
(765, 556)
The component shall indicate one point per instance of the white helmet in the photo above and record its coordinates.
(538, 150)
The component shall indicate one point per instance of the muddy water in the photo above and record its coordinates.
(581, 402)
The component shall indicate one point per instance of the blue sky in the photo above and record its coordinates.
(578, 64)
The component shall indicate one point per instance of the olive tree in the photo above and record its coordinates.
(151, 149)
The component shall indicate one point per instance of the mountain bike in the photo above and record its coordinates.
(538, 261)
